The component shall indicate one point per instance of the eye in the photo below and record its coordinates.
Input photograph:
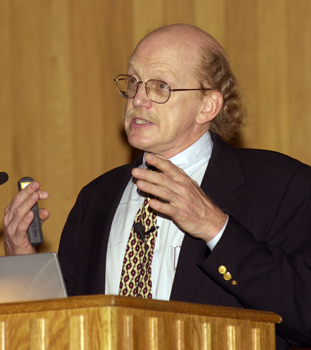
(162, 85)
(132, 80)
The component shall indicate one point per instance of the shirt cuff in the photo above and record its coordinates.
(212, 243)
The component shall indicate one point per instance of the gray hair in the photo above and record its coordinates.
(214, 71)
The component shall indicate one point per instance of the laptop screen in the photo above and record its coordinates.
(31, 277)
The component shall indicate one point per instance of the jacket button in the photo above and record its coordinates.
(234, 282)
(227, 276)
(222, 269)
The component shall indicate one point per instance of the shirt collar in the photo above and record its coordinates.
(194, 156)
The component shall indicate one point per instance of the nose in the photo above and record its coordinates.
(141, 99)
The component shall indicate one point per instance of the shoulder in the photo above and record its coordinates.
(265, 159)
(258, 162)
(275, 170)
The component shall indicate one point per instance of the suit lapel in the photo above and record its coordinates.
(101, 226)
(222, 176)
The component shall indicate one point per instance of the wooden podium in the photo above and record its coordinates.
(124, 323)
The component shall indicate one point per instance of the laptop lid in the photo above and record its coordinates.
(31, 277)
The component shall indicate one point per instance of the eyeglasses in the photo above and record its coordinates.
(157, 91)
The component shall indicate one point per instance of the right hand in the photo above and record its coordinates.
(18, 217)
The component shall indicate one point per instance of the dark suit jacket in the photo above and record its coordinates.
(266, 246)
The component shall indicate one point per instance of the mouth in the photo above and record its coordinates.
(141, 121)
(141, 117)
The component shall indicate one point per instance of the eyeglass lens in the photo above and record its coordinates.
(157, 90)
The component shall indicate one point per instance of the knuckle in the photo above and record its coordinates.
(183, 190)
(19, 229)
(170, 211)
(5, 222)
(7, 208)
(15, 201)
(166, 193)
(169, 164)
(18, 213)
(161, 177)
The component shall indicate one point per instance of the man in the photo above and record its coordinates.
(241, 239)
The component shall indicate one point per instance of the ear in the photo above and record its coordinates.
(212, 104)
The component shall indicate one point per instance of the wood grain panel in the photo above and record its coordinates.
(64, 116)
(179, 11)
(273, 77)
(6, 118)
(108, 322)
(37, 334)
(153, 333)
(210, 15)
(115, 45)
(58, 169)
(2, 335)
(27, 78)
(88, 96)
(300, 78)
(77, 336)
(241, 48)
(146, 17)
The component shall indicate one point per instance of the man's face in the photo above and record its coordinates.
(165, 129)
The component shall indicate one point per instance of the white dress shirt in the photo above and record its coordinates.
(193, 161)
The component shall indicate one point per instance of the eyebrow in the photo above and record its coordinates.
(159, 73)
(167, 73)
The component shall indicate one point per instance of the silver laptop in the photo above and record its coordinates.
(31, 277)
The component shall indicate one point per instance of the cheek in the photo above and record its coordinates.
(180, 114)
(128, 105)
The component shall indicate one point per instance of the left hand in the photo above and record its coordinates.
(182, 198)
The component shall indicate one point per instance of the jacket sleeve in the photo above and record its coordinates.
(271, 271)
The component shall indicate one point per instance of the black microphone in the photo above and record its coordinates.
(151, 230)
(139, 229)
(4, 177)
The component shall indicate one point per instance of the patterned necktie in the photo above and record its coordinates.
(136, 272)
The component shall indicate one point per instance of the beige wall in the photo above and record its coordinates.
(60, 114)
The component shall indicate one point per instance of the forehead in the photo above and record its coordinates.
(164, 56)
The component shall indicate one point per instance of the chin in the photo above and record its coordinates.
(137, 143)
(144, 146)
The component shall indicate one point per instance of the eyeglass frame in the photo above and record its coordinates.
(139, 82)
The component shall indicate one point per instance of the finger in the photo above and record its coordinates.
(30, 189)
(24, 194)
(16, 222)
(19, 238)
(164, 165)
(164, 208)
(164, 186)
(18, 243)
(43, 195)
(203, 221)
(23, 225)
(162, 178)
(19, 209)
(165, 192)
(31, 193)
(44, 214)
